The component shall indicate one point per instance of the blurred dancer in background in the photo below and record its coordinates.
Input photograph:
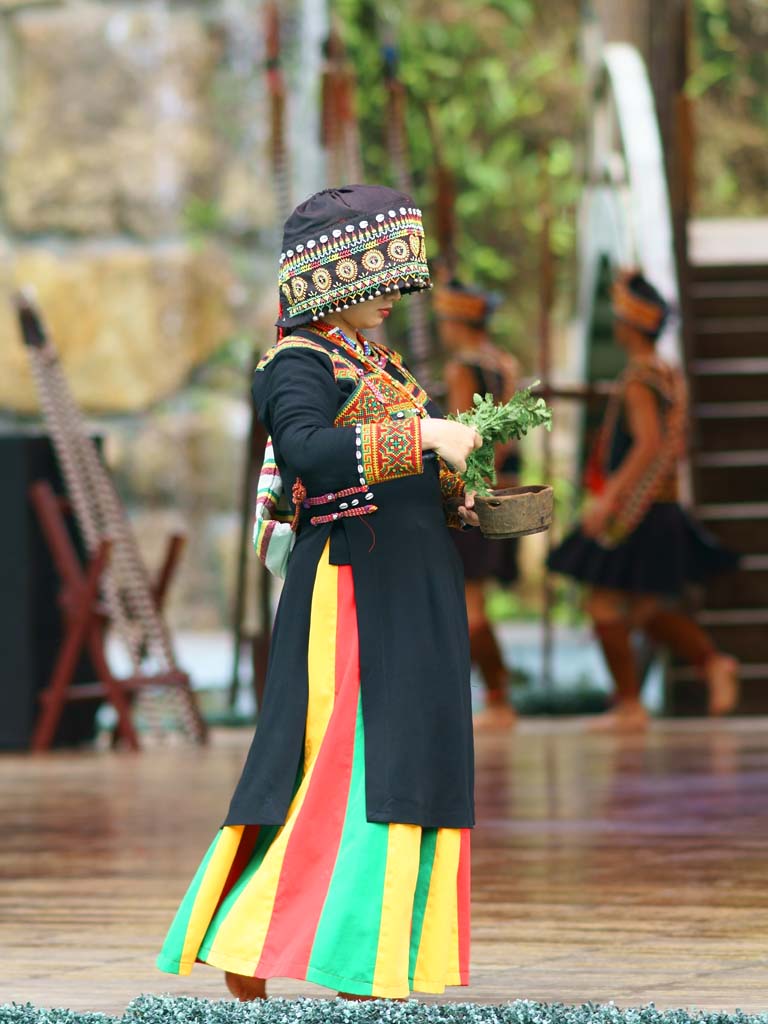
(636, 548)
(475, 365)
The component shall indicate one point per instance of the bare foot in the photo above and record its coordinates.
(496, 717)
(721, 673)
(626, 716)
(244, 988)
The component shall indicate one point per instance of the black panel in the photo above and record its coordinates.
(30, 622)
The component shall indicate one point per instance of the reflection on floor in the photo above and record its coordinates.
(604, 868)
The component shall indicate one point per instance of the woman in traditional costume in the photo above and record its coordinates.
(474, 365)
(637, 549)
(344, 858)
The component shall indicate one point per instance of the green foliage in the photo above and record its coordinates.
(497, 424)
(730, 85)
(496, 88)
(26, 1013)
(732, 53)
(167, 1010)
(202, 216)
(501, 84)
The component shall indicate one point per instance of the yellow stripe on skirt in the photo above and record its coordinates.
(329, 897)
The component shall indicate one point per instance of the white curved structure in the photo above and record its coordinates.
(625, 211)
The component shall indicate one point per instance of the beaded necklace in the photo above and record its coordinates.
(376, 362)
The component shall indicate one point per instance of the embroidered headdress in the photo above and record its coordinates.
(456, 301)
(345, 245)
(636, 302)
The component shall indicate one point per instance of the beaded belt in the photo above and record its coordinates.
(345, 509)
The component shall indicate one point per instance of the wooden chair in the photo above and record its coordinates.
(85, 625)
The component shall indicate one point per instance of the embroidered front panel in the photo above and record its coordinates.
(451, 487)
(451, 484)
(343, 368)
(411, 385)
(391, 449)
(381, 409)
(374, 401)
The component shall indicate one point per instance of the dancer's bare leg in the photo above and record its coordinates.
(721, 674)
(498, 712)
(612, 625)
(683, 635)
(245, 988)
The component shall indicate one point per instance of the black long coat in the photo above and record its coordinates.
(412, 625)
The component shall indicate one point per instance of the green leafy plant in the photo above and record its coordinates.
(497, 424)
(186, 1010)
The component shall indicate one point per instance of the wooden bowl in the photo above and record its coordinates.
(515, 511)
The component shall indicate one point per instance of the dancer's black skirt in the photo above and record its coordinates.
(486, 559)
(665, 553)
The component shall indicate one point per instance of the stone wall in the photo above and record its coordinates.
(133, 181)
(136, 201)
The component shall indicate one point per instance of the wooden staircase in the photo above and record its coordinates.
(728, 376)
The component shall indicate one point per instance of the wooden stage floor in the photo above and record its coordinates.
(633, 870)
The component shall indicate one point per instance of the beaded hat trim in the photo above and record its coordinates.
(352, 262)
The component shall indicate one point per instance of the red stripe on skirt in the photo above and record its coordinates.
(310, 855)
(463, 883)
(240, 863)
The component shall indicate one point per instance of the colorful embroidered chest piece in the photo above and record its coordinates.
(379, 394)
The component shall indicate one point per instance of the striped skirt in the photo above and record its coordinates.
(329, 897)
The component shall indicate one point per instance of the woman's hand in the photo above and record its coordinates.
(596, 517)
(452, 441)
(465, 511)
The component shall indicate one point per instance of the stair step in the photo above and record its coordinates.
(756, 670)
(730, 337)
(740, 286)
(729, 366)
(737, 298)
(745, 588)
(739, 241)
(746, 640)
(754, 564)
(729, 380)
(718, 273)
(747, 670)
(726, 435)
(747, 537)
(711, 482)
(731, 458)
(733, 617)
(741, 528)
(733, 510)
(686, 695)
(730, 410)
(729, 426)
